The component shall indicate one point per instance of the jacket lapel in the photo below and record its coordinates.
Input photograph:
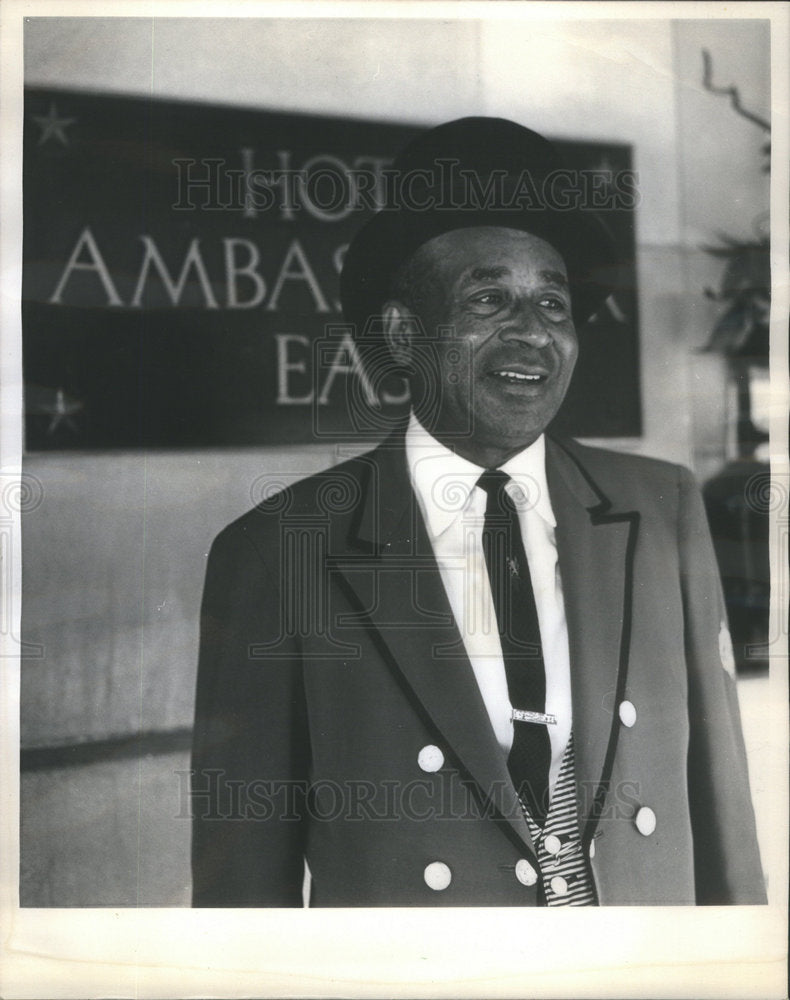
(398, 590)
(595, 545)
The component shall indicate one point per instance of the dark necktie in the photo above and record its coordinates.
(519, 631)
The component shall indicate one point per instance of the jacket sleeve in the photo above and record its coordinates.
(726, 857)
(250, 748)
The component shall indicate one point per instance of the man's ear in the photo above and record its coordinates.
(400, 325)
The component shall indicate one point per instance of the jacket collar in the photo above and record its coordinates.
(395, 584)
(596, 544)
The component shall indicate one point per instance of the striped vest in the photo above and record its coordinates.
(564, 868)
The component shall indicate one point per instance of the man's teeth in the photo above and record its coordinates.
(517, 376)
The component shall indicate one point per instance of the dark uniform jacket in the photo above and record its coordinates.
(330, 659)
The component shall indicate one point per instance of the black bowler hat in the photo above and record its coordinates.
(478, 172)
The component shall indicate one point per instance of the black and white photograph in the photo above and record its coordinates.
(395, 499)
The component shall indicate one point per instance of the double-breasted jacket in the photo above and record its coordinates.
(330, 661)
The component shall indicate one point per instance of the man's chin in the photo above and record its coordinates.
(495, 446)
(511, 434)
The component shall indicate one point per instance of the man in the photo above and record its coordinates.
(476, 666)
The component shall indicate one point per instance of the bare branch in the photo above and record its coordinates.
(735, 97)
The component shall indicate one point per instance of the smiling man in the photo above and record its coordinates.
(504, 294)
(476, 666)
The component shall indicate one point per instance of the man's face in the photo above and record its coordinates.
(505, 360)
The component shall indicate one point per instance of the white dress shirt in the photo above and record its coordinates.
(454, 510)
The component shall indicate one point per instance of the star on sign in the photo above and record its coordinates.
(62, 410)
(52, 125)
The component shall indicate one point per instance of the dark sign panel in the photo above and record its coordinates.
(181, 278)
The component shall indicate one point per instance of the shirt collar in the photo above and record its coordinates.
(444, 481)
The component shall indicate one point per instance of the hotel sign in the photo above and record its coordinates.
(181, 270)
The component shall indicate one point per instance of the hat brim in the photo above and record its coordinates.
(386, 242)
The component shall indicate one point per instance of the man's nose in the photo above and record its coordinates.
(527, 325)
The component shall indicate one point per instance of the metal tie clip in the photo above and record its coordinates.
(542, 718)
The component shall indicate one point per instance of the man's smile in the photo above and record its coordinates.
(519, 376)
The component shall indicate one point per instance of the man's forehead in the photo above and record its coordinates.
(488, 273)
(493, 247)
(498, 271)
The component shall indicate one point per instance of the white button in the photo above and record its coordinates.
(592, 849)
(525, 873)
(645, 821)
(559, 886)
(552, 844)
(627, 713)
(726, 653)
(437, 875)
(430, 758)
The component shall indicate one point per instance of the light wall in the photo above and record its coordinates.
(637, 82)
(114, 555)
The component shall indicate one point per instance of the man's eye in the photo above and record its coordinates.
(554, 303)
(488, 298)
